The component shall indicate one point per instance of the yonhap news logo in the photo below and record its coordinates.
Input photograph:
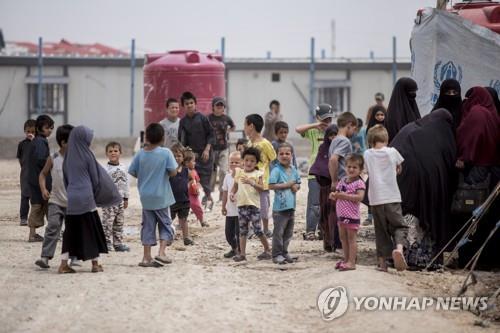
(333, 302)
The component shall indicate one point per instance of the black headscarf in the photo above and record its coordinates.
(496, 100)
(402, 107)
(451, 103)
(373, 121)
(427, 179)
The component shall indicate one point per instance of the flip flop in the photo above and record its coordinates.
(380, 269)
(339, 263)
(343, 267)
(163, 259)
(150, 264)
(399, 261)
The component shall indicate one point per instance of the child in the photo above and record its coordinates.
(153, 166)
(113, 217)
(171, 122)
(194, 186)
(314, 133)
(285, 181)
(241, 145)
(253, 127)
(179, 184)
(37, 157)
(271, 118)
(248, 182)
(57, 197)
(359, 138)
(281, 130)
(340, 147)
(222, 125)
(349, 193)
(196, 133)
(319, 169)
(229, 208)
(383, 164)
(22, 155)
(88, 186)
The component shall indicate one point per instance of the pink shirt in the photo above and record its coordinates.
(345, 208)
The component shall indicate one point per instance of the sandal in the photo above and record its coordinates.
(310, 236)
(399, 261)
(36, 238)
(151, 263)
(163, 259)
(339, 263)
(343, 267)
(239, 258)
(97, 269)
(205, 224)
(380, 269)
(65, 270)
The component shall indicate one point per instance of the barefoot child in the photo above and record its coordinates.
(194, 186)
(179, 184)
(246, 193)
(57, 197)
(383, 164)
(348, 195)
(22, 153)
(285, 181)
(229, 208)
(153, 166)
(113, 218)
(37, 156)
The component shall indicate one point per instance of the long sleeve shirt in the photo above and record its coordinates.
(196, 132)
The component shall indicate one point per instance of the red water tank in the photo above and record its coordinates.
(485, 13)
(170, 74)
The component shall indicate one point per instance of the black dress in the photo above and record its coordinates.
(84, 236)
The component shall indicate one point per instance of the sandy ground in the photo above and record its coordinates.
(201, 289)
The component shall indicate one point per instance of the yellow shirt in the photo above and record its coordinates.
(267, 155)
(247, 195)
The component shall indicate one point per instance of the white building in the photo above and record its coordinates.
(95, 91)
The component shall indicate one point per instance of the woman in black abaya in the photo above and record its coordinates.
(450, 98)
(402, 107)
(429, 149)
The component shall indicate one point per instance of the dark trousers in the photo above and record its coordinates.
(282, 232)
(233, 232)
(24, 207)
(328, 221)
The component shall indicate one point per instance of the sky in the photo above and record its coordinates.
(251, 28)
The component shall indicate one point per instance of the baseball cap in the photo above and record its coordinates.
(216, 100)
(379, 96)
(324, 111)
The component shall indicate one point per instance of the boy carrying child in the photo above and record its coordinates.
(153, 166)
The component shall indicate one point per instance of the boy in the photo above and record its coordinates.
(271, 118)
(241, 145)
(171, 122)
(57, 198)
(229, 208)
(113, 217)
(196, 133)
(247, 184)
(359, 138)
(222, 124)
(22, 150)
(152, 167)
(314, 133)
(281, 131)
(285, 181)
(37, 157)
(340, 147)
(253, 127)
(383, 164)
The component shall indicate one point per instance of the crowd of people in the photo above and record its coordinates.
(406, 168)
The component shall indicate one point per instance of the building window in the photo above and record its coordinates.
(275, 77)
(53, 98)
(337, 97)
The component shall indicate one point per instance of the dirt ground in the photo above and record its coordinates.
(201, 289)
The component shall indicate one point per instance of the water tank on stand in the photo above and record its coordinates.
(170, 74)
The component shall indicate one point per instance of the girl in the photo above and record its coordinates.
(194, 186)
(88, 185)
(348, 195)
(377, 117)
(179, 184)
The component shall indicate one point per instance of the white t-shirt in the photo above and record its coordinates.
(227, 185)
(381, 167)
(171, 130)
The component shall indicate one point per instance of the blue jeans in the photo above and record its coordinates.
(312, 213)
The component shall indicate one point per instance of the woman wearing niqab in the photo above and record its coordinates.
(450, 98)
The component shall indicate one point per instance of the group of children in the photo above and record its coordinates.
(169, 185)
